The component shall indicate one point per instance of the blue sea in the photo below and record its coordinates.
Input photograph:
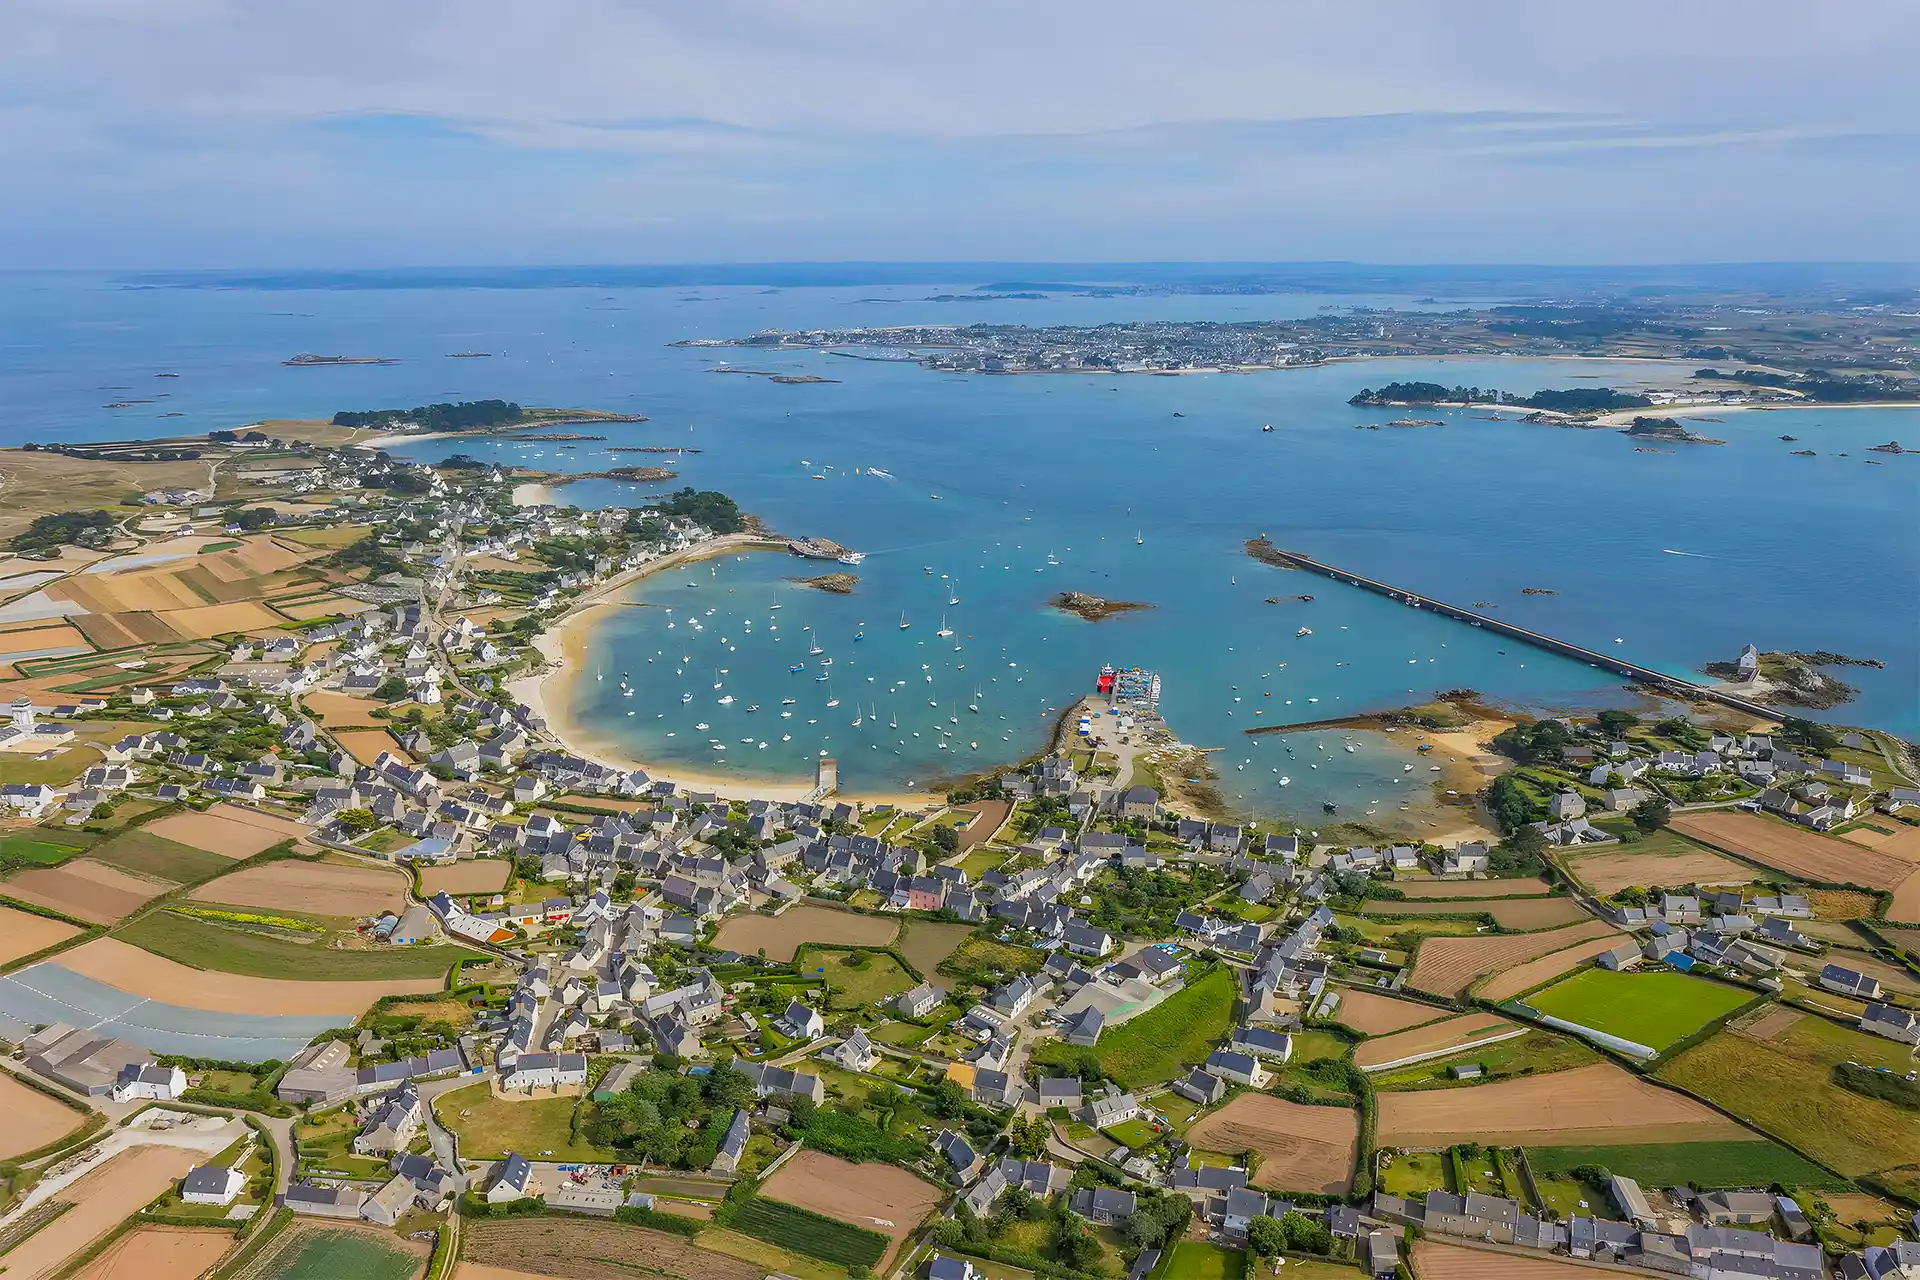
(1003, 491)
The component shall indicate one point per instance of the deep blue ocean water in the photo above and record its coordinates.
(1786, 552)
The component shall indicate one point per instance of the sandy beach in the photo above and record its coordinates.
(564, 644)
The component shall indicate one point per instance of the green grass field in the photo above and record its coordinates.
(325, 1254)
(1656, 1008)
(206, 945)
(151, 855)
(531, 1126)
(878, 976)
(24, 850)
(1193, 1260)
(1784, 1086)
(1177, 1032)
(1411, 1174)
(813, 1234)
(1709, 1165)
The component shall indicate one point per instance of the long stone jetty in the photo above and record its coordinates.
(1674, 686)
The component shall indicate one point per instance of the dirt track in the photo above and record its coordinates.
(157, 978)
(1588, 1105)
(1448, 966)
(1301, 1148)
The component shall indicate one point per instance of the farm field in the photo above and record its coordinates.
(1656, 1008)
(1524, 977)
(316, 888)
(312, 1250)
(855, 1193)
(85, 890)
(1537, 1053)
(1514, 888)
(479, 875)
(1448, 966)
(855, 979)
(782, 935)
(1783, 1085)
(149, 853)
(1661, 858)
(925, 943)
(489, 1127)
(142, 973)
(101, 1199)
(1174, 1034)
(22, 933)
(592, 1249)
(1378, 1015)
(160, 1253)
(1712, 1165)
(365, 745)
(1301, 1148)
(38, 847)
(1450, 1033)
(228, 830)
(1508, 913)
(829, 1239)
(1597, 1104)
(1795, 850)
(1434, 1261)
(33, 1119)
(1197, 1260)
(203, 944)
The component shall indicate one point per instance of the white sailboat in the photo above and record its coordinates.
(813, 645)
(904, 624)
(1140, 538)
(944, 630)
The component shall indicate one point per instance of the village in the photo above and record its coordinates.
(313, 922)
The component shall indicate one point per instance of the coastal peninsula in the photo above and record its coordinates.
(1094, 608)
(1792, 679)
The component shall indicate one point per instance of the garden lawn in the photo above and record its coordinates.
(855, 979)
(1711, 1166)
(232, 949)
(1193, 1260)
(1657, 1008)
(532, 1127)
(1411, 1174)
(1175, 1034)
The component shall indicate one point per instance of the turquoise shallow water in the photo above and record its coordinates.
(1786, 552)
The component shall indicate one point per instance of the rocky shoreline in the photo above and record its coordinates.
(839, 584)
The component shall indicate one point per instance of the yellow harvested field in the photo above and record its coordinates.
(1434, 1261)
(1508, 913)
(1795, 850)
(1906, 900)
(228, 830)
(365, 745)
(1525, 977)
(1378, 1015)
(1472, 888)
(101, 1201)
(1608, 871)
(62, 636)
(338, 711)
(1447, 966)
(481, 875)
(33, 1119)
(318, 888)
(323, 607)
(1452, 1033)
(1301, 1148)
(85, 890)
(22, 933)
(481, 1271)
(1587, 1106)
(781, 935)
(160, 1253)
(219, 619)
(142, 973)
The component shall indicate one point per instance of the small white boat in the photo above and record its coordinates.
(727, 701)
(1286, 781)
(686, 697)
(904, 624)
(1304, 631)
(1140, 539)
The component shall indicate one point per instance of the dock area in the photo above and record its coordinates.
(1672, 686)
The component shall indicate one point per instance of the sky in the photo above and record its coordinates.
(224, 133)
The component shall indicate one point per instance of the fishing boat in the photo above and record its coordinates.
(798, 667)
(884, 475)
(786, 702)
(859, 636)
(823, 676)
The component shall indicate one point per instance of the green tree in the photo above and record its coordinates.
(1652, 814)
(1808, 733)
(392, 689)
(1266, 1237)
(946, 839)
(357, 822)
(1616, 723)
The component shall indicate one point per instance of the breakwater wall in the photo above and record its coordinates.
(1673, 686)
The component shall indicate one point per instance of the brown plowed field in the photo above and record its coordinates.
(22, 933)
(86, 890)
(1796, 851)
(1448, 966)
(1378, 1015)
(33, 1119)
(1524, 977)
(1472, 888)
(142, 973)
(338, 711)
(365, 745)
(219, 619)
(160, 1253)
(926, 943)
(101, 1200)
(1903, 843)
(880, 1197)
(54, 637)
(1467, 1029)
(1508, 913)
(318, 888)
(1592, 1105)
(1434, 1261)
(799, 925)
(1611, 870)
(228, 830)
(590, 1249)
(1906, 900)
(1301, 1148)
(482, 875)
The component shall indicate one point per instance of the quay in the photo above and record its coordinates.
(1674, 686)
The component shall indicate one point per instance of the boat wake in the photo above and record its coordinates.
(1693, 555)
